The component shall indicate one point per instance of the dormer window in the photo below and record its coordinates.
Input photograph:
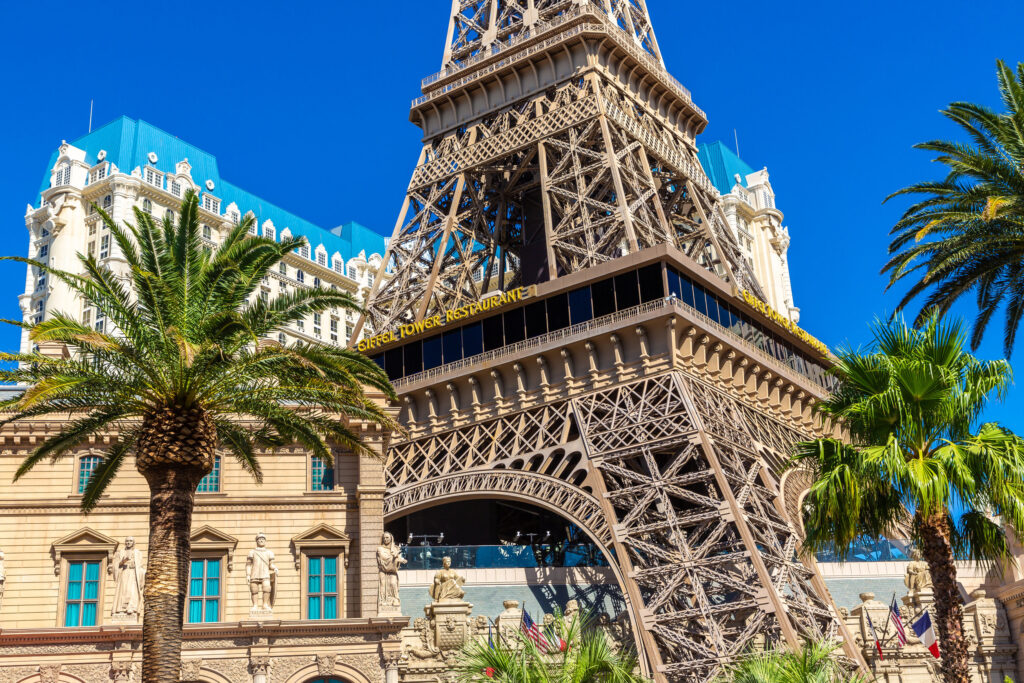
(154, 177)
(304, 251)
(268, 231)
(211, 204)
(234, 217)
(63, 176)
(175, 188)
(97, 174)
(339, 266)
(321, 258)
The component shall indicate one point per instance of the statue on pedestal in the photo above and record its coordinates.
(389, 561)
(447, 586)
(130, 579)
(918, 576)
(261, 575)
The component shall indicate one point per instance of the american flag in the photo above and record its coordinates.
(897, 621)
(533, 632)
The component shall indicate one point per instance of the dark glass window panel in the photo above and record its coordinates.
(379, 360)
(579, 306)
(413, 358)
(712, 307)
(558, 312)
(603, 297)
(674, 286)
(393, 363)
(651, 285)
(687, 291)
(627, 291)
(452, 344)
(432, 352)
(472, 340)
(699, 299)
(536, 319)
(494, 336)
(769, 346)
(515, 327)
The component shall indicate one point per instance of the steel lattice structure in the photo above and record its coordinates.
(543, 158)
(556, 142)
(680, 471)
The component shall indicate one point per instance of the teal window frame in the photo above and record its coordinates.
(82, 593)
(211, 482)
(205, 590)
(87, 464)
(322, 594)
(321, 476)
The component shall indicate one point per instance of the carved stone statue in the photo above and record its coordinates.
(389, 561)
(918, 579)
(447, 586)
(129, 578)
(261, 575)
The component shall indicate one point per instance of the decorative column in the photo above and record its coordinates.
(259, 667)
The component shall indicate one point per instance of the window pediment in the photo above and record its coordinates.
(321, 537)
(208, 539)
(83, 540)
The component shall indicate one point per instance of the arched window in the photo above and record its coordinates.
(106, 202)
(147, 206)
(86, 465)
(326, 680)
(300, 276)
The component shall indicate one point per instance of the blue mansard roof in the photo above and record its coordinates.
(721, 164)
(128, 143)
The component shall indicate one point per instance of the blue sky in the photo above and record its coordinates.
(306, 104)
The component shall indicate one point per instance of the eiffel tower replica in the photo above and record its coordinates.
(570, 323)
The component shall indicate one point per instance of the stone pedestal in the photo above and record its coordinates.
(260, 613)
(919, 599)
(508, 621)
(450, 620)
(122, 618)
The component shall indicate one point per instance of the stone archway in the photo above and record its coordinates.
(342, 673)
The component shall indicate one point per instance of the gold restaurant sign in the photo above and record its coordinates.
(451, 315)
(769, 312)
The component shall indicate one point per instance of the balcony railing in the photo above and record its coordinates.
(505, 556)
(527, 346)
(621, 38)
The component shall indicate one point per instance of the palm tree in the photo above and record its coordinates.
(966, 234)
(910, 405)
(187, 372)
(814, 663)
(587, 657)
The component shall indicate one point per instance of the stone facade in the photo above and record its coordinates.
(63, 223)
(992, 649)
(47, 541)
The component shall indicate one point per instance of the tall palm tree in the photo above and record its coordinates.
(814, 663)
(587, 657)
(966, 234)
(910, 405)
(186, 372)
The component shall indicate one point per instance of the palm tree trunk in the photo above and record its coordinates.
(949, 608)
(172, 498)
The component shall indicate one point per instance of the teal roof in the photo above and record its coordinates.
(128, 143)
(721, 164)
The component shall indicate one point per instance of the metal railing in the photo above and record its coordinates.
(522, 348)
(621, 38)
(505, 556)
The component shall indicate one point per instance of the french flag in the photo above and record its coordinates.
(926, 632)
